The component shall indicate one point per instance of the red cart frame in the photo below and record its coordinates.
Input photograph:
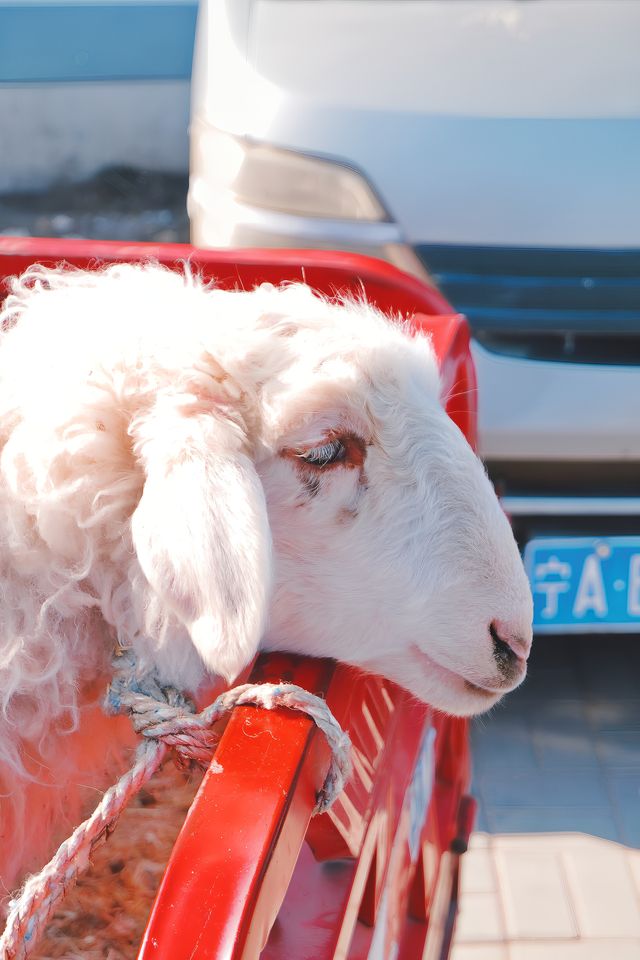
(378, 875)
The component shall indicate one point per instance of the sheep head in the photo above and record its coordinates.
(390, 549)
(279, 471)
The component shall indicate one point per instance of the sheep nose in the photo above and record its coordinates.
(508, 644)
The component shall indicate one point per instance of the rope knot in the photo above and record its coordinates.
(163, 714)
(160, 713)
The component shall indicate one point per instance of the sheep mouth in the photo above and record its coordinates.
(482, 691)
(457, 679)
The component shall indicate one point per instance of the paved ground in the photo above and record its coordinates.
(554, 868)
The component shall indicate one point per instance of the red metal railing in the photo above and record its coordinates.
(378, 875)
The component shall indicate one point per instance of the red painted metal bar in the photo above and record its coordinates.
(331, 909)
(231, 864)
(331, 273)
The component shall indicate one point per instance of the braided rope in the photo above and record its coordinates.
(165, 719)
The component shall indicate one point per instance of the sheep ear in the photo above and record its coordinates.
(201, 532)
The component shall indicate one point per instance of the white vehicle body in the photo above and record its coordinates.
(494, 144)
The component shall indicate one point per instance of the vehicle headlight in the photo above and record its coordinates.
(283, 180)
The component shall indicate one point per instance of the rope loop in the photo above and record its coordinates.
(165, 719)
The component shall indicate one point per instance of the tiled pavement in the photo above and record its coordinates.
(553, 872)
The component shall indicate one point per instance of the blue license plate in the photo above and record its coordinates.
(584, 584)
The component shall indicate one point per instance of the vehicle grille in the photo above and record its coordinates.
(558, 478)
(580, 306)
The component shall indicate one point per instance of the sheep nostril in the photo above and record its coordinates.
(508, 652)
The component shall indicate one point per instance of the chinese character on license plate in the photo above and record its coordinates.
(584, 584)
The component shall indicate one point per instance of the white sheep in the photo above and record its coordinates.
(195, 474)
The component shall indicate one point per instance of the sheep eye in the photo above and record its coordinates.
(331, 452)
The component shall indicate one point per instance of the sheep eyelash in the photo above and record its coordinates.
(322, 456)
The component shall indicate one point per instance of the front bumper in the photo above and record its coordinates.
(534, 410)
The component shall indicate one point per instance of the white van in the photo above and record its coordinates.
(491, 144)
